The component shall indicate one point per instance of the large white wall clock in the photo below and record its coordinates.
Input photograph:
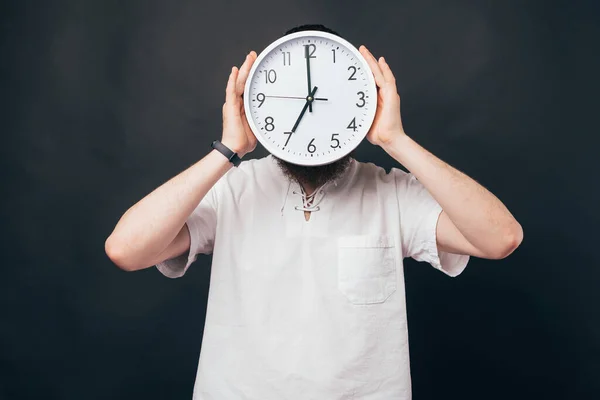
(310, 98)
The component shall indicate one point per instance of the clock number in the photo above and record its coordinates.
(260, 97)
(288, 58)
(352, 124)
(269, 126)
(362, 98)
(337, 142)
(288, 139)
(311, 147)
(333, 51)
(353, 68)
(309, 50)
(270, 76)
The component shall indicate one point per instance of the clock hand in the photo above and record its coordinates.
(297, 97)
(309, 101)
(307, 55)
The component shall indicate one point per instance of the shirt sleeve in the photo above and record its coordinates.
(419, 214)
(202, 225)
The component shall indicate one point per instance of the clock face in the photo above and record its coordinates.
(310, 98)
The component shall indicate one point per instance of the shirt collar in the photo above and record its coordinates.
(332, 186)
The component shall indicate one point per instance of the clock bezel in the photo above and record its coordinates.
(278, 152)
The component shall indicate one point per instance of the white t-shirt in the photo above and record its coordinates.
(309, 309)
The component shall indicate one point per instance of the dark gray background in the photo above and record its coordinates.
(102, 101)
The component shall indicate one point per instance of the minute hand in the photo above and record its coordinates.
(307, 56)
(309, 101)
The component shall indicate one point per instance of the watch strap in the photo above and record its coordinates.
(227, 152)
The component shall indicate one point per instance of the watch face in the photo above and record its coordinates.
(310, 98)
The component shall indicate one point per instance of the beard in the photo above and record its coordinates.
(314, 176)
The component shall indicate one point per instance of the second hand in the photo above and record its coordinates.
(294, 97)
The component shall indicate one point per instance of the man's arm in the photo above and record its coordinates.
(473, 220)
(154, 230)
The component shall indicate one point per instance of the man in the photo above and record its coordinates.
(307, 287)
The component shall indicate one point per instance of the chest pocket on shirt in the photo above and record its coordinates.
(366, 268)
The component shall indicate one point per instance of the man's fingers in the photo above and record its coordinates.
(244, 71)
(230, 89)
(374, 65)
(388, 75)
(230, 95)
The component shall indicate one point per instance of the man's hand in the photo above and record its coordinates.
(237, 134)
(387, 124)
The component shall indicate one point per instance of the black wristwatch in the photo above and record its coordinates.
(227, 152)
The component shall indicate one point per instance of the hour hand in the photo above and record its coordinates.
(309, 101)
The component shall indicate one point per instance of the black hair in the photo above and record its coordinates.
(312, 27)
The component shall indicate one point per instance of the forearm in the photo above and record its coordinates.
(149, 226)
(480, 216)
